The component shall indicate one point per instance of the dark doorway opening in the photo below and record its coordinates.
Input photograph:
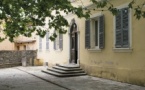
(73, 44)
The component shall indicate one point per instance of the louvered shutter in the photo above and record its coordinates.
(55, 44)
(125, 27)
(40, 43)
(60, 41)
(47, 40)
(101, 32)
(118, 30)
(96, 32)
(87, 34)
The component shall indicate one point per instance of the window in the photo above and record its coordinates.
(94, 33)
(28, 47)
(122, 39)
(18, 48)
(24, 47)
(58, 43)
(47, 40)
(40, 43)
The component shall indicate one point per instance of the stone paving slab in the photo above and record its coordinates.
(14, 79)
(80, 82)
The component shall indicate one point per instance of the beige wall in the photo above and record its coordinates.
(53, 56)
(56, 56)
(29, 42)
(6, 44)
(120, 65)
(26, 46)
(81, 3)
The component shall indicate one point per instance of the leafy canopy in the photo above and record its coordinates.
(138, 8)
(22, 17)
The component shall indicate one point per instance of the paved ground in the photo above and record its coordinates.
(13, 79)
(31, 78)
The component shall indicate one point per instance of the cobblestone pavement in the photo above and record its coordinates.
(81, 82)
(31, 78)
(14, 79)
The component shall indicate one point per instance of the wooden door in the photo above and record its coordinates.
(74, 44)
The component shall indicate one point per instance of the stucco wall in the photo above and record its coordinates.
(6, 45)
(54, 56)
(121, 66)
(14, 58)
(58, 56)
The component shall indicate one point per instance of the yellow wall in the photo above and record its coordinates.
(53, 56)
(38, 62)
(26, 46)
(57, 56)
(121, 66)
(6, 44)
(22, 41)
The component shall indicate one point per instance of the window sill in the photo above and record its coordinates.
(123, 50)
(58, 50)
(40, 50)
(94, 50)
(47, 50)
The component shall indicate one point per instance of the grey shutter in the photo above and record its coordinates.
(96, 32)
(87, 34)
(125, 27)
(55, 44)
(60, 41)
(101, 32)
(47, 40)
(118, 30)
(40, 43)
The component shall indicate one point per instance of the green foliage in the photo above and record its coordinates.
(2, 39)
(113, 10)
(130, 5)
(22, 17)
(139, 12)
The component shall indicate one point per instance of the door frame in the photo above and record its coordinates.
(78, 42)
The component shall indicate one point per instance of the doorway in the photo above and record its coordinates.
(73, 44)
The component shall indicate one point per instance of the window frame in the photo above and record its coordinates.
(93, 47)
(40, 43)
(47, 41)
(129, 48)
(93, 33)
(57, 42)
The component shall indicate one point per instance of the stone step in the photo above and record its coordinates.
(62, 75)
(66, 69)
(65, 72)
(68, 65)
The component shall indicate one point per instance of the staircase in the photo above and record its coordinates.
(65, 70)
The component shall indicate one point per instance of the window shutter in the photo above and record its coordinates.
(55, 44)
(60, 41)
(125, 27)
(40, 43)
(101, 32)
(47, 40)
(96, 33)
(87, 34)
(118, 30)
